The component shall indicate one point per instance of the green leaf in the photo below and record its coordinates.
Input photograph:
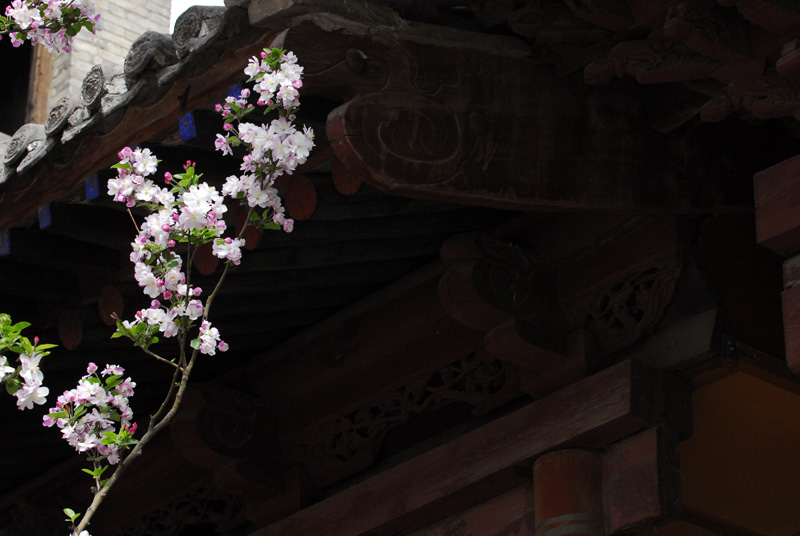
(113, 381)
(46, 346)
(97, 472)
(196, 343)
(12, 386)
(71, 514)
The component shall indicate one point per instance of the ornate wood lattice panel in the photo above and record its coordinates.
(350, 443)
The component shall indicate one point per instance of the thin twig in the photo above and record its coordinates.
(159, 358)
(134, 222)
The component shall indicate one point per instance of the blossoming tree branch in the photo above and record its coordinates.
(52, 23)
(184, 214)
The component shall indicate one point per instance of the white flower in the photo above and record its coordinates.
(31, 372)
(5, 370)
(31, 394)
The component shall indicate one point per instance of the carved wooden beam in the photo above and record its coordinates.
(344, 445)
(619, 291)
(388, 345)
(430, 114)
(777, 200)
(593, 413)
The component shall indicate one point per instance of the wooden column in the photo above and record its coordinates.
(567, 493)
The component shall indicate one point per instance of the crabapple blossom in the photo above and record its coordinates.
(273, 149)
(88, 414)
(228, 249)
(5, 370)
(52, 23)
(95, 416)
(30, 394)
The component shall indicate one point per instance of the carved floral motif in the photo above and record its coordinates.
(204, 506)
(620, 315)
(352, 442)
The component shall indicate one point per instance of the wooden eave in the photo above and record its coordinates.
(444, 307)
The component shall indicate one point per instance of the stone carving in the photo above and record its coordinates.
(204, 506)
(36, 151)
(59, 115)
(194, 24)
(92, 89)
(150, 49)
(351, 442)
(20, 142)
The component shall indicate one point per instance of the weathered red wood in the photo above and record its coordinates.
(295, 495)
(641, 480)
(347, 182)
(70, 329)
(300, 198)
(506, 515)
(581, 358)
(111, 303)
(777, 200)
(526, 345)
(592, 413)
(567, 496)
(204, 259)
